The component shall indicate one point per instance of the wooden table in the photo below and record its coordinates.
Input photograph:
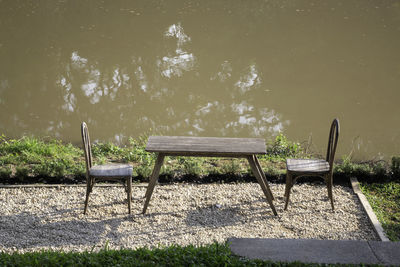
(208, 147)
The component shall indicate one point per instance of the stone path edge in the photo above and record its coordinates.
(315, 251)
(368, 209)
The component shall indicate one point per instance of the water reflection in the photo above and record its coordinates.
(139, 74)
(77, 61)
(207, 68)
(131, 88)
(174, 65)
(225, 73)
(258, 122)
(69, 97)
(249, 80)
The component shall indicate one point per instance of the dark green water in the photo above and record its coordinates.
(203, 68)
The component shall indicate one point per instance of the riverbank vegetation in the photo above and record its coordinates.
(30, 159)
(385, 201)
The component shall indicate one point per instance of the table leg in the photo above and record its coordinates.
(263, 179)
(153, 180)
(259, 178)
(263, 176)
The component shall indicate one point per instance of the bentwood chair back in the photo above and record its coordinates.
(87, 149)
(332, 142)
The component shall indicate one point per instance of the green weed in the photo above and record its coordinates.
(232, 167)
(385, 201)
(191, 165)
(21, 173)
(395, 168)
(5, 172)
(281, 148)
(144, 171)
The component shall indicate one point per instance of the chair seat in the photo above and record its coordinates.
(307, 165)
(111, 170)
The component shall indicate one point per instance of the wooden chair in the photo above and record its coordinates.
(119, 172)
(296, 168)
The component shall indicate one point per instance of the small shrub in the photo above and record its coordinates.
(21, 173)
(271, 171)
(42, 169)
(78, 170)
(380, 169)
(167, 170)
(191, 166)
(136, 150)
(9, 158)
(144, 171)
(346, 167)
(232, 166)
(60, 168)
(282, 148)
(395, 168)
(349, 168)
(101, 159)
(5, 172)
(106, 150)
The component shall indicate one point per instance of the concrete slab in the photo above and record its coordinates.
(387, 252)
(304, 250)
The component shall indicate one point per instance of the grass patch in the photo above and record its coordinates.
(31, 159)
(209, 255)
(377, 171)
(31, 156)
(385, 201)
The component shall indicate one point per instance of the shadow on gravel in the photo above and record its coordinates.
(214, 216)
(25, 230)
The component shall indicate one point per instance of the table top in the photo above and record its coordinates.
(212, 146)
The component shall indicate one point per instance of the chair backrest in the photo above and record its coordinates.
(332, 143)
(86, 146)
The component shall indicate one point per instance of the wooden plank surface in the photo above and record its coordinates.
(307, 165)
(215, 146)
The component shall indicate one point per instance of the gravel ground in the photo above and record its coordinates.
(38, 218)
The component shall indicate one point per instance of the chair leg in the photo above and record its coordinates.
(125, 183)
(89, 186)
(129, 191)
(289, 184)
(329, 183)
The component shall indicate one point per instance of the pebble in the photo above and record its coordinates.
(32, 219)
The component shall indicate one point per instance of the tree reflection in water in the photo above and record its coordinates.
(124, 72)
(206, 68)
